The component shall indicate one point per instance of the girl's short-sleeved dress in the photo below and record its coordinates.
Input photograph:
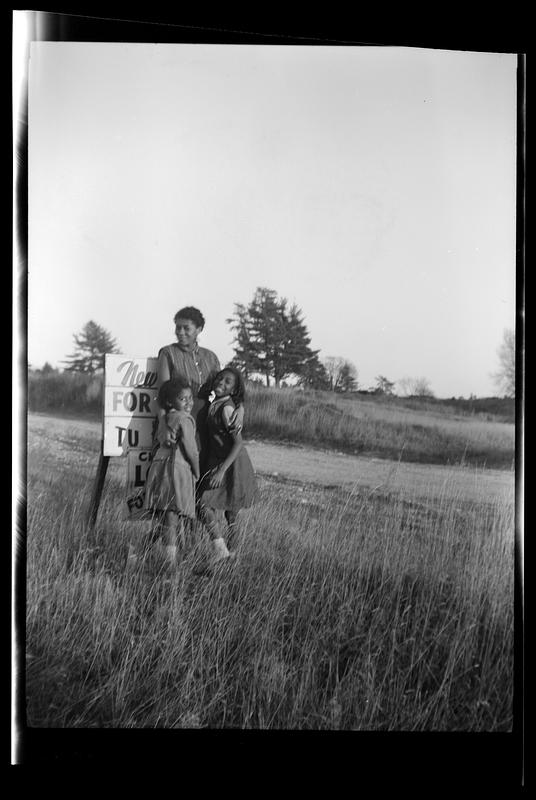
(239, 488)
(170, 484)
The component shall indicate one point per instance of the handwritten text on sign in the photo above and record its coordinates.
(129, 403)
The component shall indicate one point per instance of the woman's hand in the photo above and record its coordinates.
(217, 478)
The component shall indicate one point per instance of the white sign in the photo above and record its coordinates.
(138, 463)
(129, 403)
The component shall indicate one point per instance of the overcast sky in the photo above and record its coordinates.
(374, 187)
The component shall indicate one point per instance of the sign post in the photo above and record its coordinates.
(130, 411)
(97, 488)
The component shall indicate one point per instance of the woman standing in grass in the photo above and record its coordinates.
(229, 482)
(170, 484)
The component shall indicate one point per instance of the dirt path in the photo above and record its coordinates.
(326, 468)
(419, 480)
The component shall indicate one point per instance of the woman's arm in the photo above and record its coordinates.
(213, 365)
(162, 369)
(162, 375)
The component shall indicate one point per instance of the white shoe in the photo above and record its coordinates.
(220, 551)
(168, 554)
(220, 555)
(132, 558)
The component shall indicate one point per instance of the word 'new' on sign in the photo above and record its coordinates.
(129, 403)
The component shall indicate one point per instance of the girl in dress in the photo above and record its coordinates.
(229, 482)
(174, 470)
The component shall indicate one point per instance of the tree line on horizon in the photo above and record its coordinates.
(272, 344)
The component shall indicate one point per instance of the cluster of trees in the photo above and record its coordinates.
(46, 369)
(414, 387)
(271, 340)
(342, 374)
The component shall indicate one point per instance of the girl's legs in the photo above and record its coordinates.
(191, 528)
(210, 520)
(232, 531)
(170, 535)
(167, 533)
(141, 548)
(132, 556)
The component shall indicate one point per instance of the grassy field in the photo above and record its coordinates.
(379, 428)
(344, 610)
(412, 430)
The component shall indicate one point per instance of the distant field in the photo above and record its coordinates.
(348, 608)
(379, 428)
(410, 430)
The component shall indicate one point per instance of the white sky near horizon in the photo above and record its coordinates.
(374, 187)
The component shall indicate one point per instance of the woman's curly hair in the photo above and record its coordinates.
(191, 313)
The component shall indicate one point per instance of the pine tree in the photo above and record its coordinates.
(47, 368)
(271, 338)
(243, 358)
(256, 328)
(314, 374)
(92, 344)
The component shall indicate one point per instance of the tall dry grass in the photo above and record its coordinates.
(343, 611)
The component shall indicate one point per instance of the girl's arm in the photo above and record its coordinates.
(217, 477)
(166, 432)
(168, 426)
(189, 446)
(236, 420)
